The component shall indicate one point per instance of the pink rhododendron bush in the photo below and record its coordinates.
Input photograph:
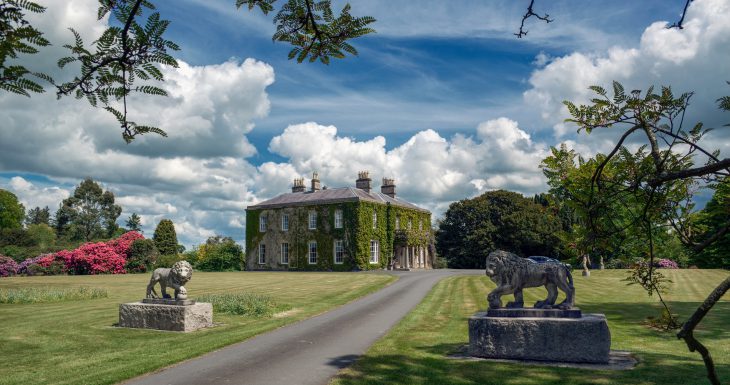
(90, 258)
(8, 266)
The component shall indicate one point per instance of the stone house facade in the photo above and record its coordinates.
(338, 229)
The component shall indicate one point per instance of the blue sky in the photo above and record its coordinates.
(444, 98)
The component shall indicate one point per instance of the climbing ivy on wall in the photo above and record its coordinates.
(357, 232)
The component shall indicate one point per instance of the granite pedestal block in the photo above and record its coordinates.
(532, 312)
(181, 318)
(586, 339)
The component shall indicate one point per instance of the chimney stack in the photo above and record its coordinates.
(363, 181)
(315, 181)
(388, 187)
(298, 185)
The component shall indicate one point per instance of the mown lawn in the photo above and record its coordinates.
(416, 351)
(75, 342)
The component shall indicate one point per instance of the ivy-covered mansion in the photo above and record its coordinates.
(348, 228)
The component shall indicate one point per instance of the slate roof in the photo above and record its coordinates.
(332, 195)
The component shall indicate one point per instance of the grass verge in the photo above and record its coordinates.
(49, 294)
(416, 350)
(245, 304)
(75, 342)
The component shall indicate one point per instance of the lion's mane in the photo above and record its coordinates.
(176, 272)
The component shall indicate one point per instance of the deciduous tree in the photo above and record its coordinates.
(472, 228)
(12, 211)
(89, 213)
(657, 176)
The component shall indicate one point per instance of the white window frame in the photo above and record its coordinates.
(374, 251)
(338, 242)
(262, 223)
(262, 253)
(285, 222)
(284, 251)
(338, 219)
(309, 252)
(397, 223)
(410, 224)
(420, 225)
(375, 219)
(312, 220)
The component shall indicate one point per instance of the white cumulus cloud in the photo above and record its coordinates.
(694, 58)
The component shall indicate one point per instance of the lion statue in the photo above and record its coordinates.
(175, 277)
(512, 273)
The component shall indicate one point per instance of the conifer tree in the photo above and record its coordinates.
(165, 238)
(134, 223)
(38, 216)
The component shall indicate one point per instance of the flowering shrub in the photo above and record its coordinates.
(667, 264)
(122, 244)
(37, 265)
(8, 266)
(92, 258)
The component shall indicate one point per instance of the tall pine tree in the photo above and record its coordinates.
(134, 223)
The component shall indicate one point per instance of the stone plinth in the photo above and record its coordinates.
(586, 339)
(169, 301)
(532, 312)
(181, 318)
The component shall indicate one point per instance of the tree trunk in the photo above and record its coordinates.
(688, 328)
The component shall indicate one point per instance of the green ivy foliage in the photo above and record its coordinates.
(357, 232)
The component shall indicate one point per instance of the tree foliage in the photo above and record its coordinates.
(657, 176)
(610, 224)
(126, 58)
(90, 213)
(18, 36)
(220, 254)
(711, 221)
(165, 238)
(42, 235)
(12, 211)
(37, 216)
(472, 228)
(142, 256)
(314, 31)
(134, 223)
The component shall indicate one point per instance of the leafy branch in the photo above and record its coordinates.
(312, 28)
(17, 36)
(118, 58)
(661, 176)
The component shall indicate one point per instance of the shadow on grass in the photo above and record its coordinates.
(664, 369)
(663, 359)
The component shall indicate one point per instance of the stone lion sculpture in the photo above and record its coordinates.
(175, 277)
(512, 273)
